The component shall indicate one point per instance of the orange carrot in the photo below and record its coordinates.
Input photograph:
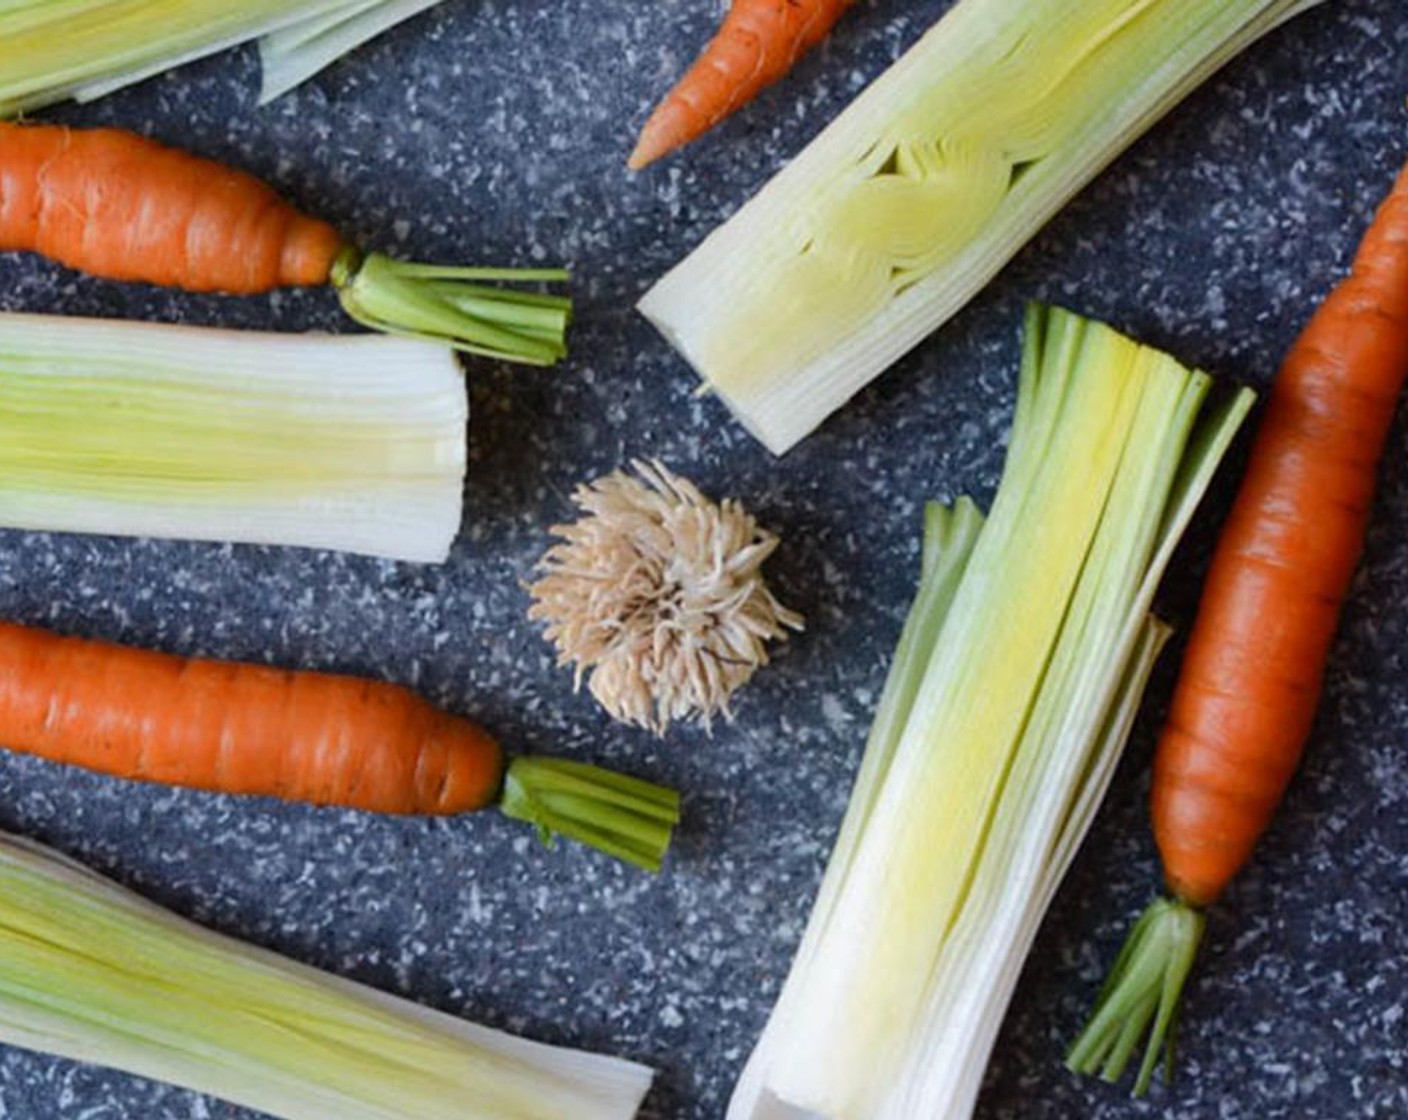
(1252, 674)
(127, 208)
(124, 207)
(1251, 678)
(238, 728)
(759, 42)
(305, 736)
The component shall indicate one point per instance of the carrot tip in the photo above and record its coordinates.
(647, 150)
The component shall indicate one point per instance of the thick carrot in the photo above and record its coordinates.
(1252, 674)
(317, 737)
(124, 207)
(759, 42)
(113, 204)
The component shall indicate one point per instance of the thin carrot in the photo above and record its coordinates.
(322, 738)
(759, 42)
(1256, 657)
(124, 207)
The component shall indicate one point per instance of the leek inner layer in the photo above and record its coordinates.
(908, 203)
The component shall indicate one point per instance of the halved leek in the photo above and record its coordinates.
(92, 972)
(353, 442)
(53, 50)
(1011, 695)
(916, 195)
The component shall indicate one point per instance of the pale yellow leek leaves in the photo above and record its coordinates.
(1010, 698)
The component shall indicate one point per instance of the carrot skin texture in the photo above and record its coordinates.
(123, 207)
(1251, 678)
(232, 727)
(759, 42)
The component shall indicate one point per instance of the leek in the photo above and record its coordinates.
(90, 971)
(354, 443)
(913, 198)
(292, 54)
(54, 50)
(1012, 692)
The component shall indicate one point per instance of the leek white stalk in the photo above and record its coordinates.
(354, 442)
(92, 972)
(916, 195)
(53, 50)
(1010, 698)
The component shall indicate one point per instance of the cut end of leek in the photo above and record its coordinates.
(352, 443)
(915, 196)
(463, 308)
(90, 971)
(1142, 994)
(623, 817)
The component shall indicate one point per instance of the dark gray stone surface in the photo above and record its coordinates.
(497, 131)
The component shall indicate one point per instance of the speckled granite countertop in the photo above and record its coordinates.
(497, 130)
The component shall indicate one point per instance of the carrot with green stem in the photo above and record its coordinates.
(123, 207)
(759, 42)
(1252, 675)
(322, 738)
